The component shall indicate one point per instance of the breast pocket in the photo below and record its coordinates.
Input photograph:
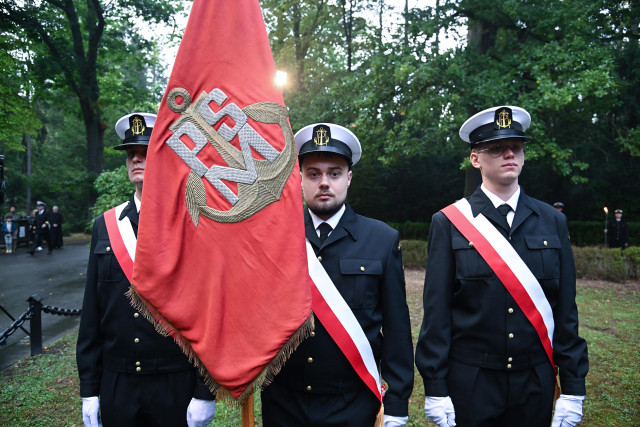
(109, 270)
(469, 263)
(360, 287)
(543, 255)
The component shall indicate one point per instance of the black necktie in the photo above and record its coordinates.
(325, 229)
(504, 209)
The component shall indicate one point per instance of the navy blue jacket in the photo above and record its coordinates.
(469, 314)
(112, 334)
(363, 259)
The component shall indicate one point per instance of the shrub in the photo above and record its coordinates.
(414, 253)
(599, 263)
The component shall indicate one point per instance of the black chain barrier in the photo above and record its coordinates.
(34, 315)
(61, 311)
(15, 326)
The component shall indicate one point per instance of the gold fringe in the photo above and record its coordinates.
(260, 382)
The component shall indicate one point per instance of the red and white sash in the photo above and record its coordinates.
(509, 267)
(123, 239)
(343, 327)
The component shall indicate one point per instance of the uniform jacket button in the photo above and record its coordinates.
(138, 369)
(136, 340)
(310, 360)
(511, 335)
(308, 388)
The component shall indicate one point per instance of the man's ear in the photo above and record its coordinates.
(474, 158)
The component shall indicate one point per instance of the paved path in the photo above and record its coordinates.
(58, 279)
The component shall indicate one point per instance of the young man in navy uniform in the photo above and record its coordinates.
(130, 375)
(491, 336)
(318, 386)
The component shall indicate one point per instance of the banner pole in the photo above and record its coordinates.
(247, 415)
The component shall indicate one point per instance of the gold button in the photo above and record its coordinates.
(399, 246)
(138, 369)
(137, 363)
(471, 244)
(319, 258)
(510, 335)
(361, 268)
(510, 359)
(108, 248)
(510, 310)
(136, 340)
(313, 334)
(310, 360)
(509, 366)
(136, 315)
(308, 388)
(544, 243)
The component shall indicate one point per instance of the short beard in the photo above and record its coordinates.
(326, 210)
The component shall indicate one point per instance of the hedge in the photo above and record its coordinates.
(582, 233)
(594, 263)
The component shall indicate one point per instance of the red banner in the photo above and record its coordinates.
(221, 262)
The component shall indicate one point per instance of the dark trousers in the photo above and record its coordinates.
(285, 407)
(130, 400)
(497, 398)
(39, 237)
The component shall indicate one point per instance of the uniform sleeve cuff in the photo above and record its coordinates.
(396, 407)
(573, 386)
(436, 388)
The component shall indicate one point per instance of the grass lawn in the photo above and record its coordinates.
(43, 390)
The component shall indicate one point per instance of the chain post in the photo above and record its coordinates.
(35, 306)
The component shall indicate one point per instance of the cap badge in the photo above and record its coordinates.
(503, 118)
(137, 126)
(322, 136)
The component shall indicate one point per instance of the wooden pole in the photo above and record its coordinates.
(247, 413)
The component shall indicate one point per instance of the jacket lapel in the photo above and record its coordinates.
(347, 226)
(526, 207)
(480, 204)
(131, 212)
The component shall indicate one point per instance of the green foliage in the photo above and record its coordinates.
(614, 265)
(113, 188)
(414, 253)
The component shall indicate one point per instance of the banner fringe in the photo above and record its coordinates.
(265, 378)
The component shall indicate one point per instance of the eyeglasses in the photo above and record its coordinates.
(499, 149)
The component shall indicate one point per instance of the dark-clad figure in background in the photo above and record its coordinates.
(130, 375)
(41, 229)
(618, 231)
(559, 206)
(55, 217)
(499, 296)
(318, 386)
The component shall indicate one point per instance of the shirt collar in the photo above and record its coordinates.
(497, 201)
(333, 221)
(137, 201)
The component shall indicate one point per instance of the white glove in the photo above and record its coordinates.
(440, 411)
(568, 412)
(200, 412)
(90, 411)
(391, 421)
